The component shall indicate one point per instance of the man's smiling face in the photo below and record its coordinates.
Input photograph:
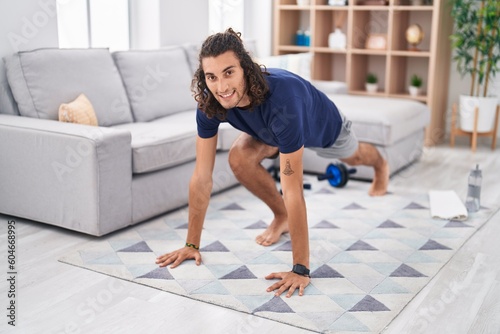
(224, 77)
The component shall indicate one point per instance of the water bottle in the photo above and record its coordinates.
(472, 202)
(299, 38)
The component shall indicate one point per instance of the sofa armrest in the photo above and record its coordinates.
(74, 176)
(330, 87)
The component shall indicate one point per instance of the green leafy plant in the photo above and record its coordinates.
(371, 78)
(476, 40)
(416, 81)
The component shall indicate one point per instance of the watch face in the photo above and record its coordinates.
(300, 269)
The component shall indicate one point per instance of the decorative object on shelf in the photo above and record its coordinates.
(373, 3)
(414, 36)
(371, 84)
(376, 42)
(417, 2)
(337, 2)
(307, 38)
(303, 38)
(303, 2)
(475, 40)
(415, 85)
(337, 39)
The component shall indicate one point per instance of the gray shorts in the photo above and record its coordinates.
(345, 145)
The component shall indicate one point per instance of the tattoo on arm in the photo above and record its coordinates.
(288, 168)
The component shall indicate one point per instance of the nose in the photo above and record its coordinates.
(222, 85)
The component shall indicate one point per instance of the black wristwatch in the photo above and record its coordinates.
(300, 270)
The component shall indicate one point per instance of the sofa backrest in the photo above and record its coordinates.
(157, 81)
(41, 80)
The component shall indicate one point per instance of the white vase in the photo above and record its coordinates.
(371, 87)
(337, 39)
(487, 110)
(414, 91)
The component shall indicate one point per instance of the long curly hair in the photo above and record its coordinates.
(255, 82)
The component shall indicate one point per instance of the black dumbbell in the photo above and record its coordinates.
(337, 174)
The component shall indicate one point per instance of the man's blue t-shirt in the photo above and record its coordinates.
(294, 114)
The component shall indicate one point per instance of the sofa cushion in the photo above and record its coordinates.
(42, 79)
(162, 143)
(157, 81)
(382, 121)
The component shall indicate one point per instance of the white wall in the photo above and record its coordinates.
(25, 25)
(183, 21)
(259, 25)
(144, 24)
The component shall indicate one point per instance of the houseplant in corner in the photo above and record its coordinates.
(415, 85)
(371, 83)
(476, 40)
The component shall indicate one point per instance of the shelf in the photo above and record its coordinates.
(424, 54)
(328, 50)
(413, 8)
(369, 52)
(294, 48)
(394, 65)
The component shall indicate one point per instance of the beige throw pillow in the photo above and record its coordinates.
(78, 111)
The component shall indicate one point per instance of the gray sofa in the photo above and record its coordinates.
(137, 163)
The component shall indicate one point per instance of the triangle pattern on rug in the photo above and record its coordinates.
(325, 271)
(258, 225)
(232, 206)
(369, 304)
(215, 246)
(353, 206)
(137, 248)
(406, 271)
(241, 273)
(274, 305)
(433, 245)
(324, 191)
(286, 247)
(324, 224)
(158, 273)
(348, 322)
(456, 223)
(361, 245)
(389, 224)
(413, 206)
(182, 226)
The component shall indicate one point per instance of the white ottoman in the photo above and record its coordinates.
(395, 126)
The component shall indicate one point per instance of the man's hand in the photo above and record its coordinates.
(289, 281)
(178, 256)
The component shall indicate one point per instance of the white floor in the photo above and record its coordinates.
(52, 297)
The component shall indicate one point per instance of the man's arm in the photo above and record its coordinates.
(292, 187)
(200, 188)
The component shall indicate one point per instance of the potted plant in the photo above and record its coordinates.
(371, 83)
(475, 40)
(415, 85)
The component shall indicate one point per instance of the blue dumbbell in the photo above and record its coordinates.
(337, 174)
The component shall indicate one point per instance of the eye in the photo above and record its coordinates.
(229, 73)
(210, 77)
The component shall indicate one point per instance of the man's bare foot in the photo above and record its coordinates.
(273, 233)
(380, 180)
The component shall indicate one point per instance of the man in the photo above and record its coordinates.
(279, 114)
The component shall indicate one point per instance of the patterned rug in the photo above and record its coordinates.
(369, 256)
